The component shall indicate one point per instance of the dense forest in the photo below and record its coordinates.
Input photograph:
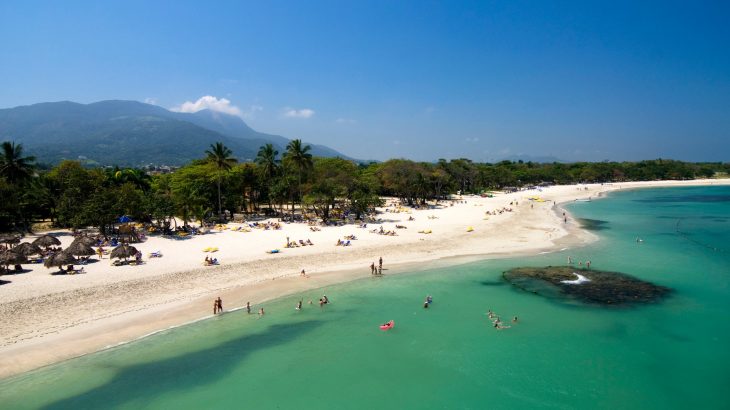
(72, 196)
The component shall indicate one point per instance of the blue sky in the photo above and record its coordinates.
(380, 79)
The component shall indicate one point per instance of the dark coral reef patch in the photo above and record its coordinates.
(591, 287)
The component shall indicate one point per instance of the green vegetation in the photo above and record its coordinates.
(71, 195)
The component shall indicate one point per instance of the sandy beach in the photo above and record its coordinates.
(47, 318)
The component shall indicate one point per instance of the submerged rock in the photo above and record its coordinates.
(586, 285)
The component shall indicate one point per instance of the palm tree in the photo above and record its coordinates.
(300, 157)
(266, 159)
(221, 156)
(13, 165)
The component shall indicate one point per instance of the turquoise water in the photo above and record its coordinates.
(669, 355)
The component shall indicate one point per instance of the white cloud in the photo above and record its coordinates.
(251, 111)
(302, 113)
(209, 102)
(150, 100)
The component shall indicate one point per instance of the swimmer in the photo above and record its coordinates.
(425, 304)
(299, 305)
(324, 297)
(514, 319)
(429, 299)
(261, 312)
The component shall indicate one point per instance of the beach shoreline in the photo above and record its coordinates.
(109, 306)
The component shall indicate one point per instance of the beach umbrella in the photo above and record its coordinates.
(85, 240)
(12, 258)
(59, 259)
(9, 238)
(123, 251)
(125, 219)
(27, 248)
(47, 241)
(79, 249)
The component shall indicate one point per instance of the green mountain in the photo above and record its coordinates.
(130, 133)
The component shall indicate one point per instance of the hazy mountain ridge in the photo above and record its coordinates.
(130, 133)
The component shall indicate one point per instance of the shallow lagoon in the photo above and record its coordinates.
(670, 354)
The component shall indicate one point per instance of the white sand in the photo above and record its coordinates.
(47, 318)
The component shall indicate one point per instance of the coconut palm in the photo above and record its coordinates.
(269, 165)
(221, 156)
(13, 165)
(299, 156)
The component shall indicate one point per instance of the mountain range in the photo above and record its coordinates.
(131, 133)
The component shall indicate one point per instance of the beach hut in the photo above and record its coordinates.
(46, 241)
(59, 259)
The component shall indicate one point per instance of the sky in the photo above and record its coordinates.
(485, 80)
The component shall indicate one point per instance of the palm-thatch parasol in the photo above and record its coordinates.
(59, 259)
(27, 249)
(12, 258)
(86, 240)
(9, 238)
(123, 251)
(79, 249)
(47, 241)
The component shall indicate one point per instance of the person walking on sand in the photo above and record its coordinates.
(372, 268)
(303, 274)
(215, 306)
(380, 264)
(219, 302)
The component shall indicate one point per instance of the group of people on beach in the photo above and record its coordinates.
(297, 244)
(377, 270)
(209, 261)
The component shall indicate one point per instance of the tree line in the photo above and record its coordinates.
(289, 184)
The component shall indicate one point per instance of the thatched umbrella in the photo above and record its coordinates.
(11, 258)
(123, 251)
(47, 241)
(27, 249)
(59, 259)
(86, 240)
(79, 249)
(9, 238)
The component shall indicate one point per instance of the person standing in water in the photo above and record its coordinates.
(380, 264)
(248, 307)
(299, 305)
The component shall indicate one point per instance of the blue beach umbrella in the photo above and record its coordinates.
(124, 219)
